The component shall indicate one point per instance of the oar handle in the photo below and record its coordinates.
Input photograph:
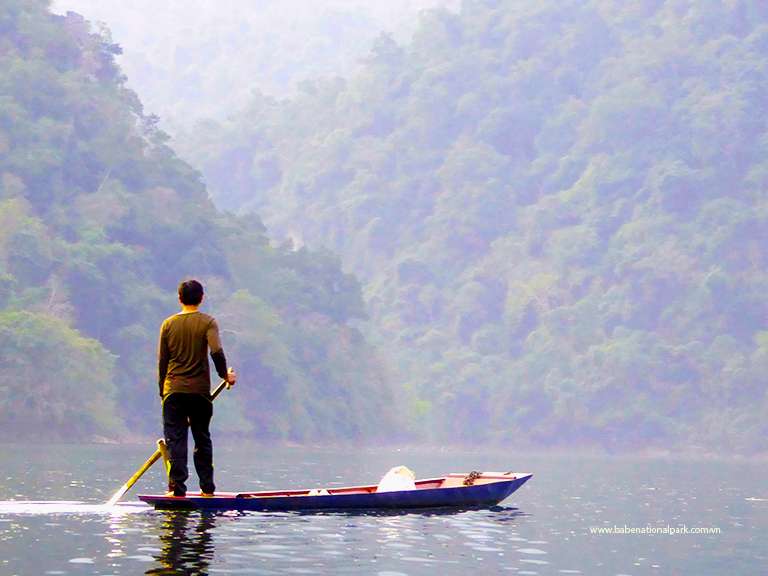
(222, 385)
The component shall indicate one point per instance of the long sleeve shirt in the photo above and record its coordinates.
(185, 340)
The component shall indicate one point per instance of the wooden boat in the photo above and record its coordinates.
(476, 489)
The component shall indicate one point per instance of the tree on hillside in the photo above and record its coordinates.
(559, 211)
(99, 220)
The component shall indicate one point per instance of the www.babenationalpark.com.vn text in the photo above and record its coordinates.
(650, 530)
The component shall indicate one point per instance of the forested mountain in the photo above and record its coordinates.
(99, 220)
(559, 210)
(192, 58)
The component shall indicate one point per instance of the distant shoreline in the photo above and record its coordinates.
(558, 452)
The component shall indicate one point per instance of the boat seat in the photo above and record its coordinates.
(453, 482)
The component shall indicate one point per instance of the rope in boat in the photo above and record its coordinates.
(469, 480)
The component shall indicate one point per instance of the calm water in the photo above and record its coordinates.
(544, 528)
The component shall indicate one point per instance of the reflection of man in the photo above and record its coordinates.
(185, 387)
(187, 546)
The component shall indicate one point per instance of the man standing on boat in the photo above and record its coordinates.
(185, 386)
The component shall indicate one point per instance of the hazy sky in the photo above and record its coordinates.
(192, 58)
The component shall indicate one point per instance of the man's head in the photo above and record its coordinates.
(190, 293)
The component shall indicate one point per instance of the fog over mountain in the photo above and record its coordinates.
(195, 58)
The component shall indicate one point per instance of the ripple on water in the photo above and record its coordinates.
(268, 547)
(140, 558)
(419, 559)
(477, 536)
(533, 561)
(268, 555)
(400, 545)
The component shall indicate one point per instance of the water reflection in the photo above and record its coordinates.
(500, 513)
(186, 543)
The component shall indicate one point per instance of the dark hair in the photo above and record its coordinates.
(191, 292)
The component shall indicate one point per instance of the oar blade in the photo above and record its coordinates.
(133, 479)
(117, 495)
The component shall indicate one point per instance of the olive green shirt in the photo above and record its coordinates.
(185, 339)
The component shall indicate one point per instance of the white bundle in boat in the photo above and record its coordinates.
(398, 478)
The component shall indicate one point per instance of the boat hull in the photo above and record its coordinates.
(479, 495)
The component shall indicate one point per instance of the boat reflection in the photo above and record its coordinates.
(495, 513)
(186, 543)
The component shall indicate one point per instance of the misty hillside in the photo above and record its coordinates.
(191, 58)
(100, 220)
(559, 211)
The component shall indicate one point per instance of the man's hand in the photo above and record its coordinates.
(231, 377)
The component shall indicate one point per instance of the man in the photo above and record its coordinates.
(185, 386)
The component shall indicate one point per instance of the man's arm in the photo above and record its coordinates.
(162, 358)
(217, 352)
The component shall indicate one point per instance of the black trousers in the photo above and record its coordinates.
(180, 412)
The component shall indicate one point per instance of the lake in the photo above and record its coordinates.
(549, 526)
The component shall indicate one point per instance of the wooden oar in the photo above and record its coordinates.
(161, 452)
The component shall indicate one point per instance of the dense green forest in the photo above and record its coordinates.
(99, 220)
(559, 210)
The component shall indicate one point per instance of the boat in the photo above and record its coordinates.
(456, 490)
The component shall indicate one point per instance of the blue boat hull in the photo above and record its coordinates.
(480, 495)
